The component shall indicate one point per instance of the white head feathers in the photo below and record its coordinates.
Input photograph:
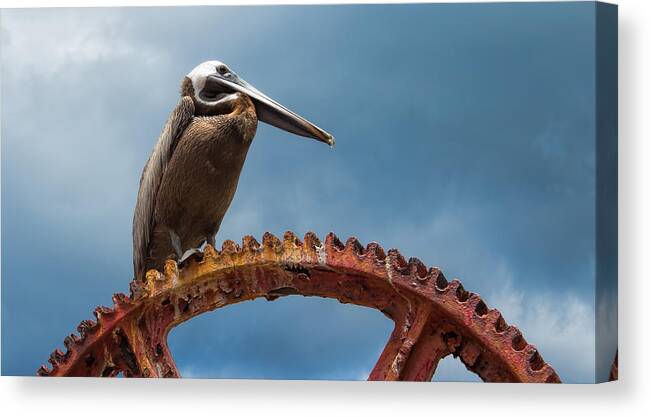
(200, 72)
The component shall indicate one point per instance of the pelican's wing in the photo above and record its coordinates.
(143, 217)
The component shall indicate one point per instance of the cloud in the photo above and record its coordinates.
(561, 326)
(48, 42)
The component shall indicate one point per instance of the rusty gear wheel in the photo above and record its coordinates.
(433, 317)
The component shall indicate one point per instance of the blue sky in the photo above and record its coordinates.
(465, 137)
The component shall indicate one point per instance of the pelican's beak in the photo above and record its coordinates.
(274, 113)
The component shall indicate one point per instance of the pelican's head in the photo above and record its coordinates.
(214, 83)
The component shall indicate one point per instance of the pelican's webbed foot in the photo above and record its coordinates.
(188, 255)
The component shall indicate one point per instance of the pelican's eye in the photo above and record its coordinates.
(222, 69)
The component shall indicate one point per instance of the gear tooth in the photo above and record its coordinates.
(417, 269)
(552, 377)
(481, 309)
(460, 293)
(397, 259)
(86, 327)
(496, 319)
(518, 343)
(332, 241)
(43, 371)
(376, 251)
(311, 240)
(229, 247)
(136, 290)
(151, 277)
(452, 287)
(57, 358)
(267, 239)
(170, 271)
(437, 276)
(209, 252)
(472, 299)
(536, 362)
(121, 300)
(290, 239)
(353, 245)
(103, 313)
(69, 343)
(54, 357)
(249, 244)
(271, 242)
(478, 306)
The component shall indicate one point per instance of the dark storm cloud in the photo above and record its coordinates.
(464, 137)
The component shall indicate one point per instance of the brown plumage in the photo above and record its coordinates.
(191, 177)
(199, 180)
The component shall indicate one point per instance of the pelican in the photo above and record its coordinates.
(191, 176)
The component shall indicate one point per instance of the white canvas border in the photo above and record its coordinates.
(28, 396)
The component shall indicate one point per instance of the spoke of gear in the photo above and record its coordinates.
(433, 317)
(614, 371)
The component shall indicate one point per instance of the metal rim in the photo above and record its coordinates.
(433, 317)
